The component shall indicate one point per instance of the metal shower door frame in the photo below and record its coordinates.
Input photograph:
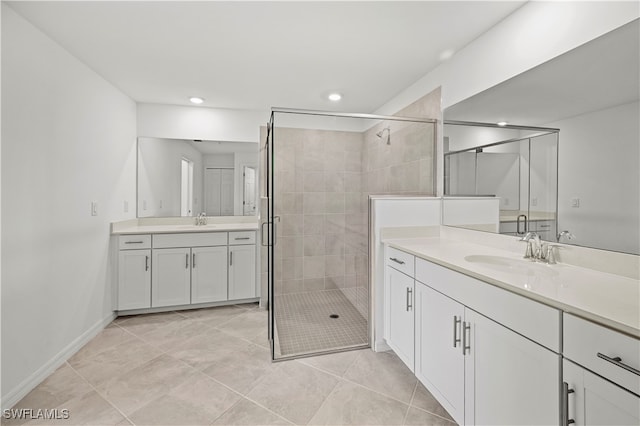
(272, 219)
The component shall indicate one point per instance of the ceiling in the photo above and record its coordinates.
(599, 74)
(255, 55)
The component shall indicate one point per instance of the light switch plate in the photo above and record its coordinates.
(126, 206)
(575, 202)
(94, 208)
(534, 201)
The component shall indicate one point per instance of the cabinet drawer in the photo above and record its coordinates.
(534, 320)
(131, 242)
(403, 262)
(242, 237)
(584, 340)
(195, 239)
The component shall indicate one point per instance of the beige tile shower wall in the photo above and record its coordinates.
(319, 200)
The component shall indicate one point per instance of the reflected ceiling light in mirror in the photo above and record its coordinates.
(335, 97)
(502, 123)
(446, 54)
(196, 100)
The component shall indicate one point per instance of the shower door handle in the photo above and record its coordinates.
(518, 224)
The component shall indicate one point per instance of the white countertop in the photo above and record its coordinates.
(608, 299)
(182, 228)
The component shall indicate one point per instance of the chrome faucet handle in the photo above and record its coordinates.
(528, 254)
(551, 254)
(566, 234)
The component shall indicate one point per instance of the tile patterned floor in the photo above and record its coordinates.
(304, 324)
(212, 367)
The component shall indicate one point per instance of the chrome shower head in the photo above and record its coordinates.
(380, 134)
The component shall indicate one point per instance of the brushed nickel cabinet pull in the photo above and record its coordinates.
(186, 261)
(456, 327)
(618, 362)
(566, 421)
(146, 263)
(396, 260)
(243, 238)
(466, 342)
(409, 297)
(134, 242)
(230, 258)
(193, 260)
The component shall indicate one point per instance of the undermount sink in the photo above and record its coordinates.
(514, 266)
(197, 226)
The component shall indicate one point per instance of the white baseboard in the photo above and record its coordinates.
(27, 385)
(381, 346)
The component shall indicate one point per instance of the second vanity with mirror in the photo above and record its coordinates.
(194, 243)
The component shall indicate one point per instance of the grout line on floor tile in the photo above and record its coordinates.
(413, 395)
(102, 395)
(352, 382)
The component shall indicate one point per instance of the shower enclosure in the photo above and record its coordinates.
(321, 168)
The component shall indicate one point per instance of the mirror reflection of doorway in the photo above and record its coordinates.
(186, 188)
(249, 195)
(218, 187)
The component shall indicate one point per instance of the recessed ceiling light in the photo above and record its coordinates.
(196, 100)
(501, 123)
(335, 97)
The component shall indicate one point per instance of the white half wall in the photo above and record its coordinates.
(391, 212)
(68, 138)
(216, 124)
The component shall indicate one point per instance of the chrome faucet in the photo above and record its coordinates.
(201, 219)
(537, 250)
(532, 252)
(566, 234)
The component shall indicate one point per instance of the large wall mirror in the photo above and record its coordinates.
(189, 177)
(579, 114)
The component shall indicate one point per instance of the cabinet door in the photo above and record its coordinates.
(595, 401)
(508, 379)
(401, 326)
(208, 274)
(242, 272)
(134, 279)
(171, 278)
(439, 356)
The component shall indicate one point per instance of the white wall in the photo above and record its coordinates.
(68, 138)
(598, 155)
(159, 176)
(216, 124)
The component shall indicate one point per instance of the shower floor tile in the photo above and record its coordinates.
(304, 323)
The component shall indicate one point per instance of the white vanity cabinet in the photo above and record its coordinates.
(439, 358)
(400, 287)
(180, 269)
(481, 371)
(487, 355)
(173, 267)
(601, 375)
(209, 274)
(171, 277)
(134, 272)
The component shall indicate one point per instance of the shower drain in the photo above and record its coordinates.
(334, 316)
